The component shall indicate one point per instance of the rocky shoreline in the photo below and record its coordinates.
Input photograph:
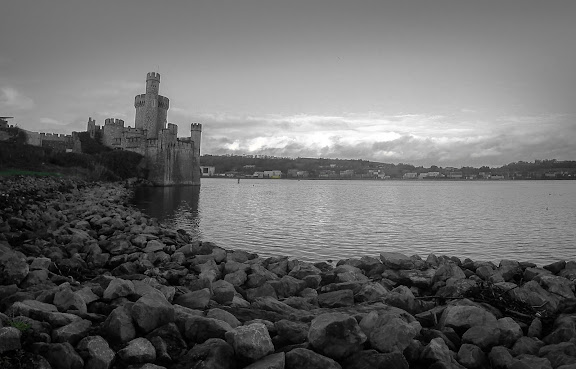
(86, 281)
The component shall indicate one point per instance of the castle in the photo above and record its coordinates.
(170, 160)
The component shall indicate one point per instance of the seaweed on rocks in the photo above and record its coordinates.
(499, 297)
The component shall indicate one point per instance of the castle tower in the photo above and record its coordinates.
(151, 108)
(196, 136)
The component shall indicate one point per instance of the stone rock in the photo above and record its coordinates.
(251, 341)
(152, 311)
(292, 332)
(349, 273)
(482, 336)
(9, 339)
(372, 359)
(13, 266)
(274, 361)
(336, 299)
(563, 353)
(370, 291)
(396, 260)
(418, 278)
(62, 356)
(161, 348)
(463, 317)
(531, 273)
(153, 246)
(66, 299)
(510, 270)
(390, 332)
(336, 335)
(118, 288)
(215, 353)
(402, 298)
(288, 286)
(198, 329)
(87, 295)
(72, 332)
(302, 270)
(527, 345)
(510, 331)
(500, 357)
(535, 328)
(138, 351)
(532, 293)
(301, 358)
(118, 325)
(471, 356)
(223, 316)
(436, 351)
(170, 335)
(237, 278)
(223, 292)
(194, 300)
(557, 285)
(555, 267)
(265, 290)
(448, 271)
(564, 330)
(526, 361)
(96, 352)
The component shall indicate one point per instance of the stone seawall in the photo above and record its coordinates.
(86, 281)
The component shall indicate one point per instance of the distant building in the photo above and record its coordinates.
(410, 175)
(273, 174)
(455, 175)
(208, 171)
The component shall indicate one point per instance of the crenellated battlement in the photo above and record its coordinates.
(114, 122)
(196, 127)
(163, 102)
(153, 75)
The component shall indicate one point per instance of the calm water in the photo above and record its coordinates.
(321, 220)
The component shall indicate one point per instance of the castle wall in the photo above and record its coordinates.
(52, 140)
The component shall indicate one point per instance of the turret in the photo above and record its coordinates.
(196, 137)
(152, 83)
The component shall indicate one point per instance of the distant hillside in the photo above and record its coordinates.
(318, 167)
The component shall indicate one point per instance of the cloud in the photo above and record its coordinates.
(409, 138)
(11, 99)
(51, 121)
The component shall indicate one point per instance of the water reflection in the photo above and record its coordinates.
(176, 206)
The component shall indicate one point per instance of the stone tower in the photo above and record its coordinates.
(151, 108)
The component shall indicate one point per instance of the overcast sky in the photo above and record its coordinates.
(450, 83)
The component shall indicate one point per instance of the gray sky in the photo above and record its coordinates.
(425, 82)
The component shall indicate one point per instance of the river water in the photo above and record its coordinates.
(332, 220)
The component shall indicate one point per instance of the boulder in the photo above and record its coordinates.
(214, 353)
(463, 317)
(72, 332)
(198, 329)
(301, 358)
(62, 356)
(472, 356)
(95, 352)
(65, 299)
(118, 288)
(336, 299)
(118, 325)
(390, 332)
(223, 316)
(152, 311)
(223, 292)
(9, 339)
(13, 266)
(292, 332)
(138, 351)
(437, 351)
(371, 291)
(372, 359)
(527, 345)
(288, 286)
(500, 357)
(483, 336)
(172, 339)
(396, 260)
(274, 361)
(194, 300)
(530, 362)
(510, 331)
(251, 341)
(336, 335)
